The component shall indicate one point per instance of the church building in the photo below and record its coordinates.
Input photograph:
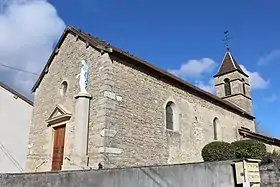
(96, 106)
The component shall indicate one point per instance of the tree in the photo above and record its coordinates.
(260, 129)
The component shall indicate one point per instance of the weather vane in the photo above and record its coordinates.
(226, 39)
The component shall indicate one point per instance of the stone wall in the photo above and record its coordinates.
(237, 94)
(127, 114)
(65, 66)
(240, 100)
(218, 174)
(235, 77)
(140, 120)
(271, 148)
(270, 172)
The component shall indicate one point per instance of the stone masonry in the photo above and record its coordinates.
(127, 114)
(65, 67)
(140, 120)
(237, 96)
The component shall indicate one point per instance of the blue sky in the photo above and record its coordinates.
(185, 37)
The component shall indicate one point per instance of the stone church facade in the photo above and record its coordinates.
(135, 113)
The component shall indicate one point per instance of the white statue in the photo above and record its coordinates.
(83, 77)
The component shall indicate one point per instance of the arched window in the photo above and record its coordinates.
(63, 88)
(215, 128)
(243, 87)
(227, 87)
(170, 116)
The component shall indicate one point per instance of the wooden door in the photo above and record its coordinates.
(58, 147)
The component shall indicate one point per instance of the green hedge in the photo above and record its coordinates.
(217, 151)
(249, 149)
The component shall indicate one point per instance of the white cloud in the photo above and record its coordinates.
(194, 68)
(256, 80)
(272, 98)
(28, 30)
(208, 86)
(270, 57)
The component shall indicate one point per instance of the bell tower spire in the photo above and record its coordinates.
(231, 82)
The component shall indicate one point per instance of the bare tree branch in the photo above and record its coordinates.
(261, 129)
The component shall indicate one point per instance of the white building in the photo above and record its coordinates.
(15, 115)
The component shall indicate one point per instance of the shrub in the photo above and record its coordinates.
(217, 151)
(249, 149)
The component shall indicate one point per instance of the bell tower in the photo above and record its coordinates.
(232, 83)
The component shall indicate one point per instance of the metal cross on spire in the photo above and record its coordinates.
(226, 39)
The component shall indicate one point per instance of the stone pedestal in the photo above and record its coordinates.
(80, 152)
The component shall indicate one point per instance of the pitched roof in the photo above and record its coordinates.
(147, 67)
(260, 137)
(228, 65)
(16, 93)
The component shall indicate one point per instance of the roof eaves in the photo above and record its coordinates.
(260, 137)
(231, 59)
(190, 87)
(45, 69)
(16, 93)
(221, 64)
(235, 66)
(221, 74)
(94, 42)
(60, 41)
(238, 67)
(223, 69)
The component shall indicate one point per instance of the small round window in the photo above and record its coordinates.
(63, 88)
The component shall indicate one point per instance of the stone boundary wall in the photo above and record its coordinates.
(270, 172)
(218, 174)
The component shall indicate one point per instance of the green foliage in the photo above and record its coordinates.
(217, 151)
(249, 149)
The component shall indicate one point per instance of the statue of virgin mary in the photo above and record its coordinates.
(83, 77)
